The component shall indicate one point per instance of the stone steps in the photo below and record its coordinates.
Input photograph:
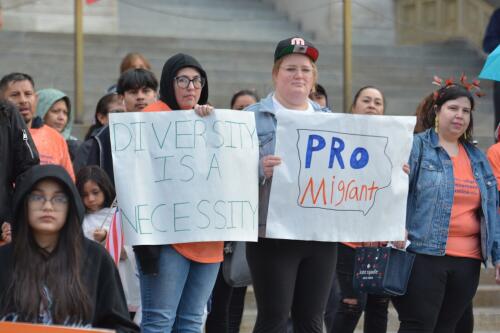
(235, 42)
(486, 308)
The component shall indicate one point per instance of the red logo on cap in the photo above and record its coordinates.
(298, 41)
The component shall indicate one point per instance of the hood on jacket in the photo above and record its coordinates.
(27, 180)
(47, 98)
(169, 72)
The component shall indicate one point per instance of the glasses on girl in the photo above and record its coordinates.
(58, 202)
(183, 81)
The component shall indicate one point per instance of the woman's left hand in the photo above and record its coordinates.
(497, 271)
(100, 235)
(203, 110)
(406, 168)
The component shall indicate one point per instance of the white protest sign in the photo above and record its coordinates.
(341, 177)
(182, 178)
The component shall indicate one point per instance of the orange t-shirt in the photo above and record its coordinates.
(464, 229)
(204, 252)
(494, 159)
(52, 148)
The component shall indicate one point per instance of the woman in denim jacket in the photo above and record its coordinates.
(452, 218)
(289, 276)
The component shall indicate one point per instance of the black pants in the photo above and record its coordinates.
(291, 277)
(466, 322)
(374, 306)
(333, 302)
(439, 291)
(227, 307)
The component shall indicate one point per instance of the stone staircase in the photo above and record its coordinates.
(486, 308)
(404, 73)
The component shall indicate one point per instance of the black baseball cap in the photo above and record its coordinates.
(295, 45)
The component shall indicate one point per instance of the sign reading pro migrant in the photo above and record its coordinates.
(182, 178)
(341, 177)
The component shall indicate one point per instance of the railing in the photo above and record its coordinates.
(419, 21)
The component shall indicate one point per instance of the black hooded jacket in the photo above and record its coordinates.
(169, 72)
(148, 255)
(17, 154)
(99, 274)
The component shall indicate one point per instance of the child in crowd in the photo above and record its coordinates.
(98, 196)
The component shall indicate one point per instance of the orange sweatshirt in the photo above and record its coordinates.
(52, 148)
(494, 158)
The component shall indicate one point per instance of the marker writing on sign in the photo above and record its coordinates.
(359, 157)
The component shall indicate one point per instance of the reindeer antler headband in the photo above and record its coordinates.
(472, 87)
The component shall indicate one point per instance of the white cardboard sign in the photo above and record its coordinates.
(341, 177)
(182, 178)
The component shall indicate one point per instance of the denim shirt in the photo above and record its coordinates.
(431, 193)
(265, 122)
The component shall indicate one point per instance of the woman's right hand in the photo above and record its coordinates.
(268, 164)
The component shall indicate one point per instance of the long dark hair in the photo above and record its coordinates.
(102, 108)
(51, 279)
(244, 92)
(431, 104)
(101, 178)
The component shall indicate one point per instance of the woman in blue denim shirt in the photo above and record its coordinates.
(289, 276)
(452, 218)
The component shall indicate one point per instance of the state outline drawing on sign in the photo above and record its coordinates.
(385, 138)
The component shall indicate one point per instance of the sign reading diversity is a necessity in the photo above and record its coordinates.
(182, 178)
(341, 177)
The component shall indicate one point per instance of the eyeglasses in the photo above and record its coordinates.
(183, 81)
(295, 70)
(58, 202)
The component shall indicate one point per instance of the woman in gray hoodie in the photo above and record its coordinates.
(54, 107)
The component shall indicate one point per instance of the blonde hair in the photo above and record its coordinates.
(129, 60)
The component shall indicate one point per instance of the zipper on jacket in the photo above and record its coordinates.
(25, 139)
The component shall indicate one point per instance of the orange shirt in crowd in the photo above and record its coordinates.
(52, 148)
(494, 158)
(203, 252)
(464, 230)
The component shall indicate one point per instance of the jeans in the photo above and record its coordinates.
(227, 307)
(291, 276)
(174, 299)
(440, 290)
(374, 306)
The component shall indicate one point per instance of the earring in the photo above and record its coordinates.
(465, 135)
(436, 124)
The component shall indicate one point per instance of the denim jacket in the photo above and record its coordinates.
(431, 193)
(265, 122)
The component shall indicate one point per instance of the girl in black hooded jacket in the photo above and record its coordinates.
(50, 273)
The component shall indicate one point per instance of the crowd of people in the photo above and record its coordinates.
(57, 197)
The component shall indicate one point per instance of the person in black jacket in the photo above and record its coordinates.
(17, 154)
(490, 42)
(52, 274)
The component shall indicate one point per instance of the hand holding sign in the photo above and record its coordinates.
(268, 164)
